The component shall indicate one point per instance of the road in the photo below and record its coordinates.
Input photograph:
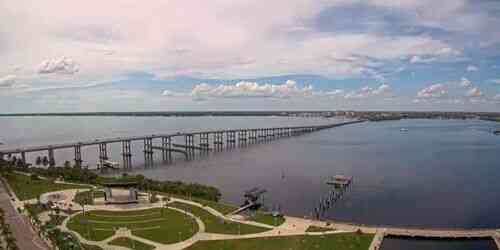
(26, 238)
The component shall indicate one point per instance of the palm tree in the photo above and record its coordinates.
(38, 160)
(45, 161)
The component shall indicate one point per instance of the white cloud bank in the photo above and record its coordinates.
(61, 65)
(367, 92)
(250, 89)
(474, 92)
(472, 68)
(7, 81)
(433, 91)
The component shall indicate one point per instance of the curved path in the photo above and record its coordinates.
(291, 226)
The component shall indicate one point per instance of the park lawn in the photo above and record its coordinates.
(161, 225)
(27, 188)
(314, 229)
(222, 208)
(130, 243)
(267, 218)
(214, 224)
(344, 241)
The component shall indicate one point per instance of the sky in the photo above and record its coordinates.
(124, 55)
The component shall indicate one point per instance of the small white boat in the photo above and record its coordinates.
(403, 130)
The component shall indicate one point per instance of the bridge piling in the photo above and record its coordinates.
(148, 152)
(78, 155)
(52, 160)
(166, 143)
(103, 154)
(189, 143)
(204, 142)
(126, 155)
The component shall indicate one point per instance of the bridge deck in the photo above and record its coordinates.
(153, 136)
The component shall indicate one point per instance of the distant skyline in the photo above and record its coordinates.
(123, 55)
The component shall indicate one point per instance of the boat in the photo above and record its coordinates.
(108, 164)
(403, 130)
(497, 132)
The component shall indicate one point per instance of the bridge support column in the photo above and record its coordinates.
(103, 154)
(252, 135)
(126, 155)
(218, 140)
(148, 152)
(166, 143)
(230, 139)
(78, 155)
(204, 142)
(242, 136)
(52, 160)
(189, 144)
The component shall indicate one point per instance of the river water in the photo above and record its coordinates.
(438, 173)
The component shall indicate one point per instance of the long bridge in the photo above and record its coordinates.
(200, 141)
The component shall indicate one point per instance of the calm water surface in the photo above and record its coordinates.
(440, 173)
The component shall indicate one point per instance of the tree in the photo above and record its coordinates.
(38, 160)
(67, 164)
(45, 161)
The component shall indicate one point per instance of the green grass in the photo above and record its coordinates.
(130, 243)
(26, 188)
(165, 226)
(345, 241)
(313, 229)
(86, 197)
(91, 247)
(215, 224)
(222, 208)
(267, 218)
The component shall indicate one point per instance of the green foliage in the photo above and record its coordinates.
(165, 226)
(267, 218)
(38, 160)
(214, 224)
(87, 197)
(344, 241)
(81, 175)
(27, 188)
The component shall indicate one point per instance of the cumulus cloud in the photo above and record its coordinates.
(474, 92)
(433, 91)
(61, 65)
(167, 93)
(250, 89)
(366, 92)
(7, 81)
(472, 68)
(420, 59)
(464, 82)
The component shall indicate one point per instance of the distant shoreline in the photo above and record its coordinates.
(364, 115)
(257, 113)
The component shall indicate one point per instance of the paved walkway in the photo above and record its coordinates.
(27, 238)
(291, 226)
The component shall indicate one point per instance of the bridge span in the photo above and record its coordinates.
(199, 141)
